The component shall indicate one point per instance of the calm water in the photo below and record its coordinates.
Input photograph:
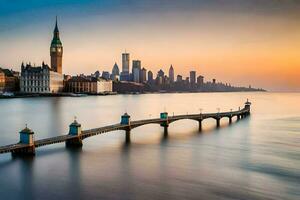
(257, 158)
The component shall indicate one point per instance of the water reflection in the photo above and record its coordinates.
(75, 176)
(55, 119)
(27, 177)
(256, 158)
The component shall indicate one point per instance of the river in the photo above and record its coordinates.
(255, 158)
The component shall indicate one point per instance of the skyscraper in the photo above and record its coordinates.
(115, 73)
(125, 63)
(136, 75)
(171, 74)
(136, 64)
(56, 51)
(160, 73)
(105, 75)
(200, 80)
(150, 77)
(125, 76)
(143, 74)
(193, 78)
(115, 70)
(136, 70)
(96, 74)
(160, 77)
(179, 78)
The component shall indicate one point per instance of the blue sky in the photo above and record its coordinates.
(19, 13)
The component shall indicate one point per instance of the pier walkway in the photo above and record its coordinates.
(27, 143)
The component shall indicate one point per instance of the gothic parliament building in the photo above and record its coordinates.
(45, 79)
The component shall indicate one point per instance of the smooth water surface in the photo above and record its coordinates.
(256, 158)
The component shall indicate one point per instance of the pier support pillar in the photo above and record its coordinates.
(165, 131)
(238, 117)
(218, 122)
(230, 120)
(74, 130)
(127, 136)
(26, 138)
(200, 125)
(74, 142)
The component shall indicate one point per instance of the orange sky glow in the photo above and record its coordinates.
(262, 50)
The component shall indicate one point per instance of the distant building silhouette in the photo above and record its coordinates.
(115, 72)
(187, 80)
(105, 75)
(171, 74)
(193, 78)
(179, 79)
(160, 77)
(161, 73)
(136, 70)
(143, 76)
(125, 76)
(150, 77)
(125, 62)
(200, 80)
(97, 74)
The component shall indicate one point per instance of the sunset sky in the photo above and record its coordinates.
(242, 42)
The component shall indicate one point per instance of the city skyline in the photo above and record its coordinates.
(265, 54)
(50, 80)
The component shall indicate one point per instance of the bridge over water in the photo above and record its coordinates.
(27, 144)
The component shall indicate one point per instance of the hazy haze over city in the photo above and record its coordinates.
(253, 42)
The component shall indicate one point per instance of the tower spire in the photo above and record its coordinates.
(56, 39)
(56, 26)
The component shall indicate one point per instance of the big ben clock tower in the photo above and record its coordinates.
(56, 51)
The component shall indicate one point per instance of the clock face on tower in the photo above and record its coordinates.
(56, 49)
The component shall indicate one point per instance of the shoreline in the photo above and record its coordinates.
(23, 95)
(40, 95)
